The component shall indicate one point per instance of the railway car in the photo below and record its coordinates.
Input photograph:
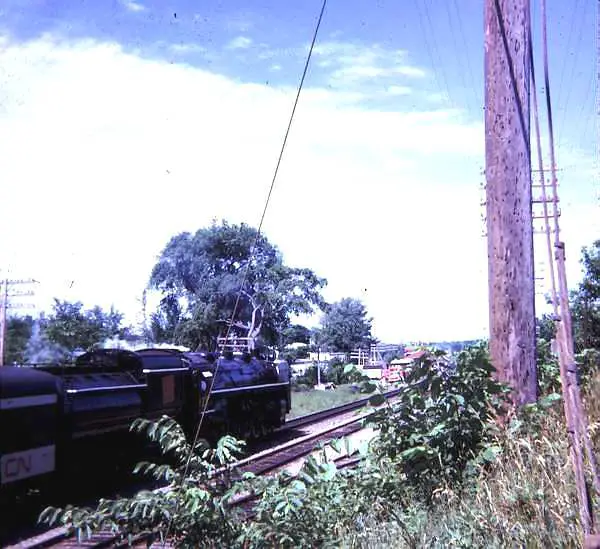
(54, 419)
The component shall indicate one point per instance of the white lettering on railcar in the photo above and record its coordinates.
(30, 463)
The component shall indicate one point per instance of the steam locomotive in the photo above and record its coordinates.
(53, 418)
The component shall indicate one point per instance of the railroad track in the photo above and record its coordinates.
(307, 419)
(284, 455)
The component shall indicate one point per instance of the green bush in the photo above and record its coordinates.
(292, 355)
(196, 512)
(342, 374)
(548, 370)
(441, 422)
(310, 376)
(441, 473)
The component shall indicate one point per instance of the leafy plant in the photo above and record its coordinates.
(341, 374)
(309, 377)
(548, 370)
(298, 511)
(195, 511)
(588, 362)
(441, 472)
(442, 420)
(292, 355)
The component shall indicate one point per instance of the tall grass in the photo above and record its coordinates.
(526, 498)
(307, 402)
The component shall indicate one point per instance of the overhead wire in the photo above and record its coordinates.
(478, 98)
(574, 12)
(458, 57)
(583, 115)
(574, 447)
(251, 254)
(576, 419)
(565, 107)
(430, 55)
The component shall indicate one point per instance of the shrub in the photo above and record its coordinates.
(548, 370)
(342, 374)
(525, 497)
(441, 473)
(292, 355)
(310, 376)
(195, 512)
(442, 420)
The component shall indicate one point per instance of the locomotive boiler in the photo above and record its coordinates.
(55, 418)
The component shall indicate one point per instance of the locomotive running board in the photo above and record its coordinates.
(249, 388)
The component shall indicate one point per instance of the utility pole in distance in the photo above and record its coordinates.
(5, 305)
(3, 316)
(508, 196)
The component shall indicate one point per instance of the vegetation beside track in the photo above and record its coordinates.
(441, 473)
(307, 402)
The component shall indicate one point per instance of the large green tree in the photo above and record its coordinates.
(71, 327)
(585, 301)
(295, 333)
(346, 326)
(203, 276)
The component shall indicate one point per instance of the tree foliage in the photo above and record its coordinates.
(195, 511)
(203, 276)
(295, 333)
(441, 421)
(71, 327)
(545, 328)
(18, 333)
(585, 301)
(345, 326)
(428, 439)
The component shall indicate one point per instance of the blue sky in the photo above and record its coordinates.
(123, 107)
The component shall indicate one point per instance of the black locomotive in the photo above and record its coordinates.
(55, 417)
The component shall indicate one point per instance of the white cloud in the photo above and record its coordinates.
(354, 73)
(107, 155)
(133, 6)
(187, 47)
(351, 63)
(398, 90)
(240, 43)
(241, 22)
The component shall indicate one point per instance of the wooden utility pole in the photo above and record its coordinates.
(508, 196)
(4, 306)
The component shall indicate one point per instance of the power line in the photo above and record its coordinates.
(564, 63)
(434, 42)
(573, 66)
(478, 98)
(576, 420)
(458, 57)
(252, 250)
(584, 114)
(429, 53)
(5, 305)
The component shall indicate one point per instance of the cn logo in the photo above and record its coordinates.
(17, 467)
(21, 465)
